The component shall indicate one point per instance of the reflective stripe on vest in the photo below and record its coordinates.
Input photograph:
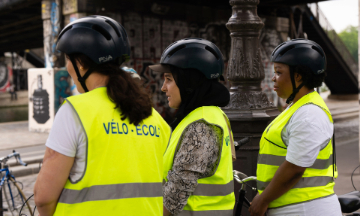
(123, 170)
(317, 180)
(277, 160)
(214, 189)
(213, 195)
(303, 182)
(108, 192)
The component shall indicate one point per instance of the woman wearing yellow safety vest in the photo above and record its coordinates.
(198, 161)
(105, 150)
(296, 164)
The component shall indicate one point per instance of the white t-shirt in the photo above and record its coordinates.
(68, 137)
(307, 132)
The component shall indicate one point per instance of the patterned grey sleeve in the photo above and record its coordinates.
(197, 157)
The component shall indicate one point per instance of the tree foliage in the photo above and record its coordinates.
(350, 38)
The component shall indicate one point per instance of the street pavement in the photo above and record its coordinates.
(16, 135)
(347, 155)
(27, 185)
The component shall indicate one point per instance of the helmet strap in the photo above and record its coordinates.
(295, 90)
(81, 79)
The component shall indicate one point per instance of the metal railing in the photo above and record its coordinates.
(333, 36)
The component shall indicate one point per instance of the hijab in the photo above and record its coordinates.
(197, 91)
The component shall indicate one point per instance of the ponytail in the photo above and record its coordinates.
(128, 96)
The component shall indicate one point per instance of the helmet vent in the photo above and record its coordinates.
(277, 48)
(113, 26)
(287, 49)
(318, 50)
(176, 49)
(212, 51)
(63, 32)
(102, 31)
(169, 47)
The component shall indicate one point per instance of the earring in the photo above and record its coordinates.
(81, 68)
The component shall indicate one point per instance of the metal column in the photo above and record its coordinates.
(249, 109)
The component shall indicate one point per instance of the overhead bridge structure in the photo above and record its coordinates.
(21, 28)
(342, 69)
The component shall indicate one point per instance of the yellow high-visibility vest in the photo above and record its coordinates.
(213, 195)
(317, 180)
(123, 174)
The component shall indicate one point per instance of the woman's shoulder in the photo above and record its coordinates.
(310, 119)
(205, 112)
(202, 127)
(310, 113)
(66, 131)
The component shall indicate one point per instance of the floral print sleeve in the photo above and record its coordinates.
(197, 157)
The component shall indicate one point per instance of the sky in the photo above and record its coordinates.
(341, 13)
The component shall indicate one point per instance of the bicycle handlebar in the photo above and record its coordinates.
(20, 161)
(14, 154)
(241, 181)
(239, 174)
(242, 178)
(241, 142)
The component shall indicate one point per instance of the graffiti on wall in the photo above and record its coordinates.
(62, 87)
(149, 36)
(152, 36)
(219, 35)
(51, 31)
(133, 26)
(41, 99)
(5, 77)
(269, 40)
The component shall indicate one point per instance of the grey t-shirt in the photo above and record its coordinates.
(68, 137)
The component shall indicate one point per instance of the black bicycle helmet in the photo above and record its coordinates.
(300, 52)
(195, 53)
(100, 38)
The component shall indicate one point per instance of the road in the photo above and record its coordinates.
(347, 154)
(27, 182)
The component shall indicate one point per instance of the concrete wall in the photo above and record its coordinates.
(150, 35)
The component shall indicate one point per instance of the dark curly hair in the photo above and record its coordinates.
(309, 79)
(122, 89)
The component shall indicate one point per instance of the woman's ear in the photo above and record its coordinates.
(80, 66)
(298, 77)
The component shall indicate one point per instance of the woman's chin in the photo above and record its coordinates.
(172, 106)
(281, 95)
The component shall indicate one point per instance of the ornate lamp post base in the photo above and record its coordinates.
(249, 109)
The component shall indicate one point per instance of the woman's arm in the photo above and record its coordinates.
(51, 180)
(166, 212)
(309, 130)
(284, 179)
(196, 158)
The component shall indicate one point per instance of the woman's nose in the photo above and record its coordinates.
(163, 89)
(273, 78)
